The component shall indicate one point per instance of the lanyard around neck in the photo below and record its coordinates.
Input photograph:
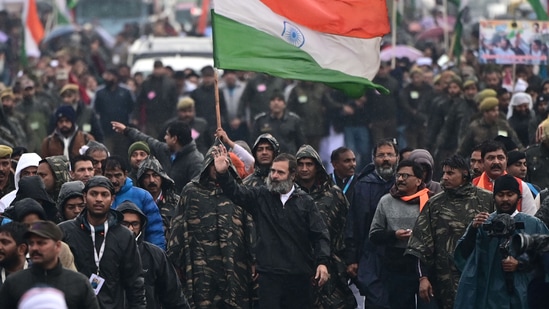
(98, 256)
(347, 185)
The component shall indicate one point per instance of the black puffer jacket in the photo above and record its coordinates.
(162, 287)
(120, 265)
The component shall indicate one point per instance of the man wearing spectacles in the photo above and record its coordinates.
(392, 225)
(362, 256)
(162, 287)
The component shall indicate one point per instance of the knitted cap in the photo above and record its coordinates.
(506, 182)
(139, 146)
(65, 111)
(515, 156)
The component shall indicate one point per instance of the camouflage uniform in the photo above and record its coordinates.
(60, 168)
(438, 228)
(480, 131)
(210, 245)
(169, 199)
(261, 172)
(333, 206)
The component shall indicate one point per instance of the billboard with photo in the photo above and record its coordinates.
(508, 41)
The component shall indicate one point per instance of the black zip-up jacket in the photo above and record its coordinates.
(292, 238)
(162, 286)
(76, 287)
(120, 265)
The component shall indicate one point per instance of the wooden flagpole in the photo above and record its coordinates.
(393, 32)
(217, 108)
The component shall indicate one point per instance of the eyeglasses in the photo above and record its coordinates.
(383, 155)
(403, 175)
(134, 224)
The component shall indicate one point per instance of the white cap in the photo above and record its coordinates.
(43, 298)
(424, 61)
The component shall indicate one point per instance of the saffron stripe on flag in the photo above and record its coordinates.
(353, 18)
(241, 47)
(353, 56)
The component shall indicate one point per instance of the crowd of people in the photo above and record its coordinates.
(129, 194)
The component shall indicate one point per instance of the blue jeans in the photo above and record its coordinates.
(358, 140)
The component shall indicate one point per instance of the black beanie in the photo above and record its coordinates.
(506, 182)
(514, 156)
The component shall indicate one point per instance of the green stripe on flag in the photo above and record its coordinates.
(541, 14)
(458, 31)
(241, 47)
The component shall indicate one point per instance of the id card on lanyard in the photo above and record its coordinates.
(97, 281)
(347, 185)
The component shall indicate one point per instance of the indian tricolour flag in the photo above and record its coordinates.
(540, 8)
(33, 30)
(336, 42)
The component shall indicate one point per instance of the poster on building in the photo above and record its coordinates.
(509, 42)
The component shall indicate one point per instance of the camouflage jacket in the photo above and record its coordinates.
(333, 206)
(210, 244)
(169, 199)
(60, 166)
(438, 228)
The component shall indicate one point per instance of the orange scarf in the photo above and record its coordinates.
(423, 197)
(483, 181)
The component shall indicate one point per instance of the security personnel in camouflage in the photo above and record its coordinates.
(333, 206)
(210, 244)
(151, 177)
(438, 228)
(282, 124)
(265, 149)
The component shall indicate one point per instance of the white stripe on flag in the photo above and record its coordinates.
(353, 56)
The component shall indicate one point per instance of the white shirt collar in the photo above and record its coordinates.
(284, 197)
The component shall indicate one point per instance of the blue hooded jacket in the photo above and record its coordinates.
(154, 231)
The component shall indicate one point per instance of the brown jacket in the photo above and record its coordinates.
(53, 145)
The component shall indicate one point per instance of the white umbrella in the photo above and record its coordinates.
(400, 51)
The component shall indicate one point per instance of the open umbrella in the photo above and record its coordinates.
(434, 33)
(60, 31)
(400, 51)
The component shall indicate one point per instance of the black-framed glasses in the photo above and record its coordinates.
(134, 224)
(403, 175)
(383, 155)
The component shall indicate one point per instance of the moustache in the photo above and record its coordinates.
(152, 185)
(401, 183)
(33, 254)
(2, 174)
(496, 165)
